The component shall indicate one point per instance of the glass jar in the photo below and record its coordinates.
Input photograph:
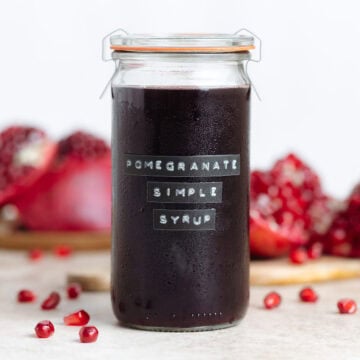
(180, 142)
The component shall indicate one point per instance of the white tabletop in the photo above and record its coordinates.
(293, 331)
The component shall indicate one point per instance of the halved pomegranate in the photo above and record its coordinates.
(287, 205)
(25, 155)
(75, 193)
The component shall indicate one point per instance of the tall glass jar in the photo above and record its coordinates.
(180, 142)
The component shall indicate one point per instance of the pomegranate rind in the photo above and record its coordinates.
(269, 240)
(74, 195)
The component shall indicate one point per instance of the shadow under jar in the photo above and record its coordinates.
(180, 142)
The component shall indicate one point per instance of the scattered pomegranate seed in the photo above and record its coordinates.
(308, 295)
(298, 256)
(77, 318)
(272, 300)
(26, 296)
(62, 251)
(51, 302)
(347, 306)
(315, 251)
(73, 290)
(44, 329)
(35, 254)
(88, 334)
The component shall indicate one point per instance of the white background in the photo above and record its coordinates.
(51, 73)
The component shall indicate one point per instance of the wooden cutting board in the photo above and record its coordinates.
(25, 240)
(281, 272)
(270, 272)
(262, 272)
(267, 272)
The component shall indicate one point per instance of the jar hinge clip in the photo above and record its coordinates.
(258, 59)
(105, 57)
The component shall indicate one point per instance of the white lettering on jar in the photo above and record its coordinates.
(175, 192)
(213, 191)
(174, 219)
(158, 164)
(205, 166)
(200, 219)
(170, 192)
(191, 191)
(216, 166)
(185, 219)
(170, 166)
(194, 166)
(180, 192)
(182, 166)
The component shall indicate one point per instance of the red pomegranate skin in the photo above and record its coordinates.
(74, 195)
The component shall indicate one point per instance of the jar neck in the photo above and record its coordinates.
(181, 69)
(181, 57)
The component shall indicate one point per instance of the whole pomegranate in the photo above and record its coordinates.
(287, 205)
(75, 193)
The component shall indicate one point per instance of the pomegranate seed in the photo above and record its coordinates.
(62, 251)
(272, 300)
(315, 251)
(77, 318)
(26, 296)
(73, 290)
(298, 256)
(35, 254)
(347, 306)
(44, 329)
(308, 295)
(51, 302)
(88, 334)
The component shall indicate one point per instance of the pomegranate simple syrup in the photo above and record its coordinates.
(180, 206)
(181, 103)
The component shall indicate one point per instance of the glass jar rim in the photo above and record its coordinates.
(200, 57)
(182, 43)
